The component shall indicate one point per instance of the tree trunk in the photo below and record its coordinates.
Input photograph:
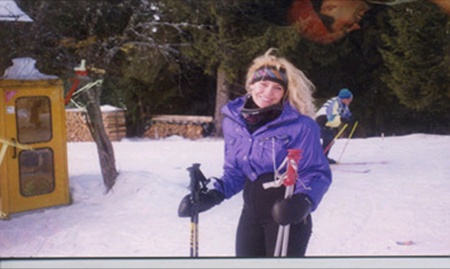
(222, 97)
(101, 139)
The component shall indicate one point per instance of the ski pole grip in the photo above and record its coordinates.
(194, 185)
(294, 156)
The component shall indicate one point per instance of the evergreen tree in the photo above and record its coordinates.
(416, 57)
(171, 56)
(233, 33)
(65, 32)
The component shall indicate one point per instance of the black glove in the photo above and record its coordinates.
(206, 201)
(291, 210)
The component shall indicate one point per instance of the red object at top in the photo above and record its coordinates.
(293, 157)
(81, 73)
(302, 14)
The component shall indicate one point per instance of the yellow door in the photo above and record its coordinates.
(35, 116)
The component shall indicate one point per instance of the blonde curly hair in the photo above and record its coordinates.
(299, 89)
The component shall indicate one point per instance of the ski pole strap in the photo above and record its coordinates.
(290, 176)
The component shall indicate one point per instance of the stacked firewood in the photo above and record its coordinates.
(76, 127)
(161, 126)
(114, 122)
(192, 127)
(78, 130)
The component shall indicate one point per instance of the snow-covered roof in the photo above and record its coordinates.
(24, 69)
(9, 11)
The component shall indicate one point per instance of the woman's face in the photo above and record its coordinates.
(266, 93)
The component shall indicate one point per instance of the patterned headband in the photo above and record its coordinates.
(271, 73)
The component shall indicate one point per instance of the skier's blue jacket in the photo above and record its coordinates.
(250, 155)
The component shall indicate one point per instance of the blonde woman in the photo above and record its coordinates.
(275, 115)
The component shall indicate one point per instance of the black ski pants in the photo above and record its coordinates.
(257, 231)
(326, 133)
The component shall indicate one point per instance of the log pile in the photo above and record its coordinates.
(115, 126)
(76, 127)
(78, 131)
(161, 126)
(191, 127)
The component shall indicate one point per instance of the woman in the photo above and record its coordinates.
(259, 128)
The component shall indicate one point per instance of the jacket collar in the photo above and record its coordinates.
(233, 109)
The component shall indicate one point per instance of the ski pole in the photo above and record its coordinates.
(197, 178)
(348, 139)
(335, 138)
(282, 242)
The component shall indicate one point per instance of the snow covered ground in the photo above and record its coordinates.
(388, 203)
(9, 11)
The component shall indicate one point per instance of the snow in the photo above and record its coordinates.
(9, 11)
(399, 210)
(104, 108)
(108, 108)
(25, 69)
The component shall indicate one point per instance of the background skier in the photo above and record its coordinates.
(331, 116)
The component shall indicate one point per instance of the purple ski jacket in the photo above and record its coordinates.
(250, 155)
